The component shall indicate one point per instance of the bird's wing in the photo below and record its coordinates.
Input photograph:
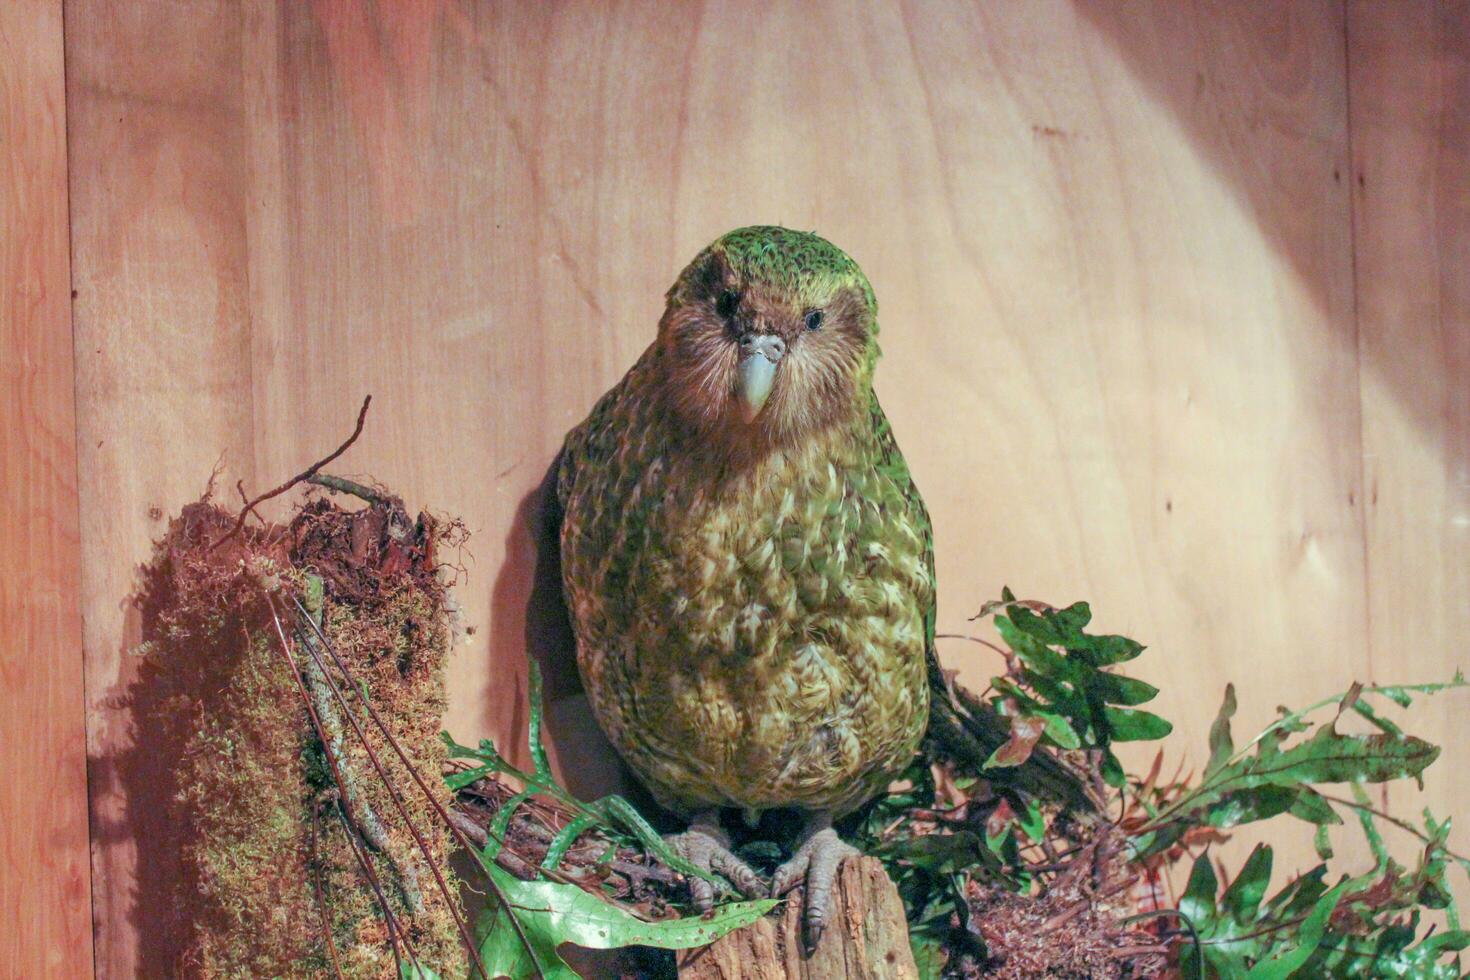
(961, 724)
(892, 465)
(589, 445)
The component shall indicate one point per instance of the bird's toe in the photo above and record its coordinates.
(815, 863)
(708, 850)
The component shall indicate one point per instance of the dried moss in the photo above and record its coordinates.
(251, 806)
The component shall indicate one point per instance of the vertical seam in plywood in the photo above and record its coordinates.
(76, 482)
(1363, 496)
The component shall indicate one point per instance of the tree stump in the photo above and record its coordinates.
(867, 938)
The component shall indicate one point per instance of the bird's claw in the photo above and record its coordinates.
(706, 847)
(815, 862)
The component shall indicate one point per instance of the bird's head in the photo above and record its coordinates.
(769, 338)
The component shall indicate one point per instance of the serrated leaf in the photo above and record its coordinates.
(1313, 807)
(550, 913)
(1329, 757)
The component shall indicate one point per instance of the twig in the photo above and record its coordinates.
(305, 474)
(340, 484)
(396, 932)
(372, 827)
(382, 773)
(349, 825)
(1403, 825)
(428, 795)
(449, 899)
(975, 639)
(321, 902)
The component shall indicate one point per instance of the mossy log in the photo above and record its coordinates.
(868, 938)
(295, 859)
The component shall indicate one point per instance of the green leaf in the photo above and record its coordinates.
(1026, 731)
(1322, 842)
(929, 955)
(1242, 900)
(1222, 747)
(565, 838)
(1109, 650)
(1313, 807)
(621, 814)
(1247, 806)
(1129, 725)
(1287, 962)
(457, 781)
(496, 831)
(550, 913)
(1059, 731)
(1117, 689)
(1198, 901)
(533, 727)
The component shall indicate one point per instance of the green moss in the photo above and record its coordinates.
(220, 708)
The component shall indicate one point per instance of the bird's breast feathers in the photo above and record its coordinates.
(756, 640)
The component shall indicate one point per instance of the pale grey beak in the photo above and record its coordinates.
(759, 355)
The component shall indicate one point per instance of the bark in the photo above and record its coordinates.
(867, 938)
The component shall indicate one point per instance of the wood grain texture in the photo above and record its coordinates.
(1112, 244)
(158, 192)
(868, 938)
(45, 885)
(1410, 97)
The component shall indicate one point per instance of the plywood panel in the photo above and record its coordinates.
(1410, 97)
(163, 383)
(1112, 244)
(45, 894)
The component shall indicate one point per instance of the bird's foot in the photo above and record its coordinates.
(819, 853)
(705, 846)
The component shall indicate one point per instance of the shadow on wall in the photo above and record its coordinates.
(528, 591)
(143, 777)
(1302, 87)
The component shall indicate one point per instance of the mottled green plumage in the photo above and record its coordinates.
(753, 605)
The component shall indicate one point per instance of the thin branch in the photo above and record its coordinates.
(975, 639)
(304, 475)
(339, 484)
(348, 823)
(1400, 824)
(419, 780)
(449, 898)
(321, 902)
(396, 932)
(369, 823)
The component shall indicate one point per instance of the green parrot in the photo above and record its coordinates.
(748, 566)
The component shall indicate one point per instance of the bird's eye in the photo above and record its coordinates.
(725, 306)
(813, 319)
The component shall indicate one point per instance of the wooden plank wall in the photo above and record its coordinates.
(1174, 307)
(1410, 98)
(45, 886)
